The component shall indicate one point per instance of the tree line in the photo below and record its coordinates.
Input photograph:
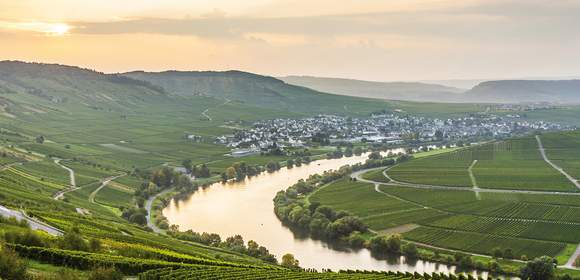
(234, 243)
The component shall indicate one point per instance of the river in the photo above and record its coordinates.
(246, 208)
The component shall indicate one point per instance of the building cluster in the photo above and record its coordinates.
(385, 128)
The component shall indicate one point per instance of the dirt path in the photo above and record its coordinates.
(73, 184)
(104, 183)
(558, 168)
(573, 258)
(473, 180)
(204, 113)
(486, 190)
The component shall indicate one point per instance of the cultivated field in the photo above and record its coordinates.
(512, 164)
(530, 224)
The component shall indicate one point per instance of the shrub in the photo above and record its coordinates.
(109, 273)
(11, 266)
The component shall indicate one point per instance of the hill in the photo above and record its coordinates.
(54, 85)
(408, 91)
(517, 91)
(257, 90)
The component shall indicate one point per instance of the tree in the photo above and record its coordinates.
(348, 152)
(163, 177)
(184, 183)
(384, 244)
(236, 243)
(187, 165)
(40, 139)
(253, 248)
(290, 163)
(542, 268)
(394, 243)
(375, 155)
(508, 253)
(497, 253)
(11, 266)
(289, 261)
(410, 250)
(73, 240)
(138, 218)
(231, 172)
(358, 151)
(95, 244)
(204, 172)
(272, 166)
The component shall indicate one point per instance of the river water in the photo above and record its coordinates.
(246, 208)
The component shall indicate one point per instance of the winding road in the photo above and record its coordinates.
(204, 113)
(104, 183)
(148, 206)
(73, 185)
(34, 224)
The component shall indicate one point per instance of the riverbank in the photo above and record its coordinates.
(294, 208)
(426, 252)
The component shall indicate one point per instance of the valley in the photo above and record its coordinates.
(126, 172)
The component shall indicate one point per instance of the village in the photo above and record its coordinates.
(389, 129)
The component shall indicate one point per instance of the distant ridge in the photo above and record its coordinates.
(501, 91)
(517, 91)
(407, 91)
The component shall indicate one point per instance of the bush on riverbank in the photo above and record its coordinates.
(234, 243)
(322, 221)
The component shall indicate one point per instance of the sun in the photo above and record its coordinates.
(58, 29)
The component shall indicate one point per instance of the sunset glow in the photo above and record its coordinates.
(378, 40)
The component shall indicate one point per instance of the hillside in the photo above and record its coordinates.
(257, 90)
(52, 85)
(408, 91)
(517, 91)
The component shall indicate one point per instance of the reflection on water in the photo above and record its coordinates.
(246, 208)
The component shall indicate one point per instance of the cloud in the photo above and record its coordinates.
(480, 21)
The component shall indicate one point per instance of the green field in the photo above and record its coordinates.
(376, 175)
(512, 164)
(564, 150)
(530, 224)
(503, 221)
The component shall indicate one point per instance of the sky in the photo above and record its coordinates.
(381, 40)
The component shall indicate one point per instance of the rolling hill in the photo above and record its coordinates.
(500, 91)
(516, 91)
(257, 90)
(408, 91)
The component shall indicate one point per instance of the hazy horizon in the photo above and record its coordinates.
(366, 40)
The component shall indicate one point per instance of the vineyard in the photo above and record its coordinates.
(564, 150)
(526, 224)
(206, 272)
(376, 175)
(482, 243)
(511, 164)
